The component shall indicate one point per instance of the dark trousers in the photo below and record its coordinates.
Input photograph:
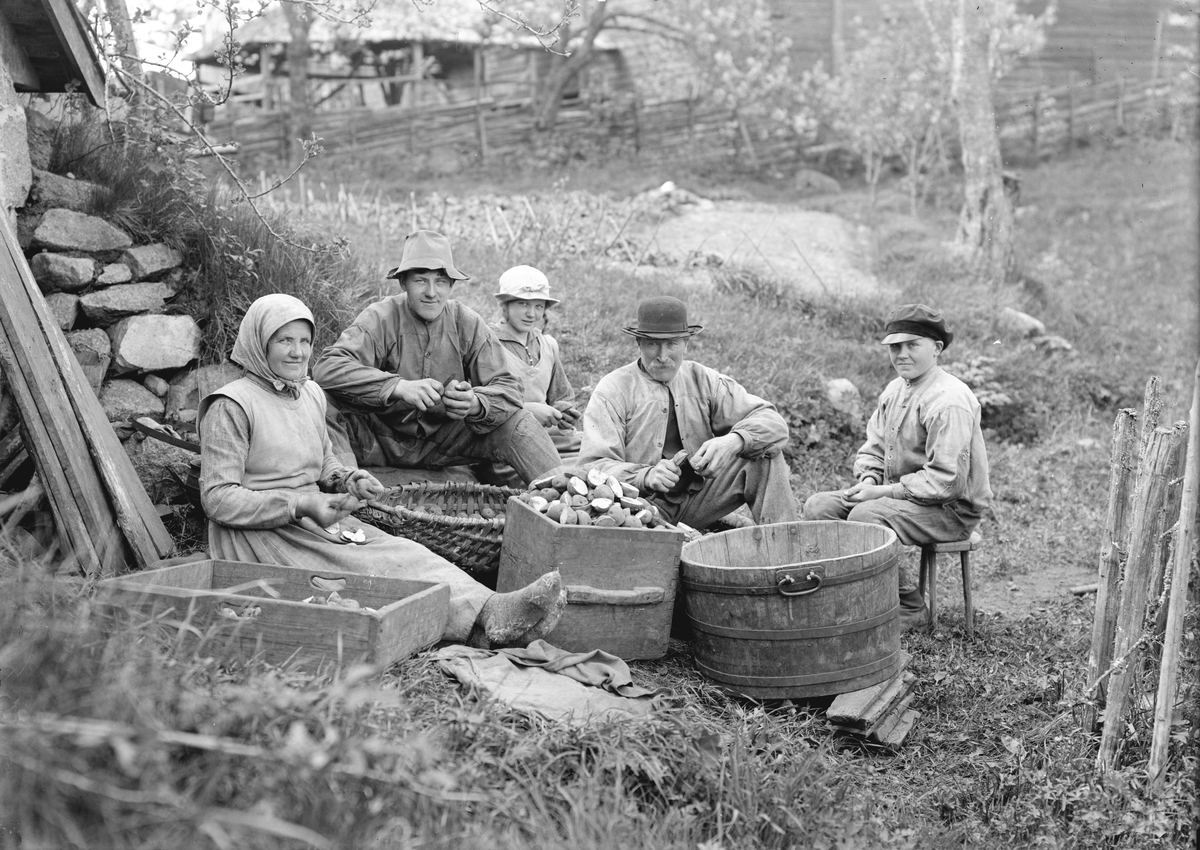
(520, 442)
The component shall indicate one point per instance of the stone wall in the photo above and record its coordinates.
(15, 169)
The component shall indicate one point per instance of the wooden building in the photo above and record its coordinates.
(1094, 40)
(408, 56)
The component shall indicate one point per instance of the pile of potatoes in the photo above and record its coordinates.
(592, 497)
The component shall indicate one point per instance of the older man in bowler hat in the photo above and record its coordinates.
(419, 380)
(923, 470)
(692, 440)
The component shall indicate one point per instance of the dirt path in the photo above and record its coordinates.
(813, 252)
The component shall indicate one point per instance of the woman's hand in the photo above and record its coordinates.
(364, 486)
(326, 508)
(546, 415)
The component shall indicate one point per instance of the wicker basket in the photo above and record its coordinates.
(455, 531)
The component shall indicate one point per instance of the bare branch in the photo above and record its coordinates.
(311, 149)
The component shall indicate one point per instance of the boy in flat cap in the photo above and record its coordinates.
(692, 440)
(923, 469)
(418, 380)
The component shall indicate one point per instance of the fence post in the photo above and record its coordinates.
(1037, 115)
(1181, 568)
(1122, 467)
(481, 128)
(1139, 570)
(1071, 114)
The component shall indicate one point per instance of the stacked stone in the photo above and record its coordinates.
(111, 298)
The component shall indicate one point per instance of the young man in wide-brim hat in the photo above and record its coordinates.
(923, 470)
(419, 380)
(689, 438)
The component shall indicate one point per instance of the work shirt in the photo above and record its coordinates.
(925, 440)
(625, 422)
(388, 343)
(537, 363)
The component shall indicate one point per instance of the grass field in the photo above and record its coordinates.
(1108, 240)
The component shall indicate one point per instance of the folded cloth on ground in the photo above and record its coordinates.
(553, 683)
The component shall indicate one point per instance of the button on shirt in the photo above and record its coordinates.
(925, 439)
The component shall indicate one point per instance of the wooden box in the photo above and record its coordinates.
(620, 581)
(235, 612)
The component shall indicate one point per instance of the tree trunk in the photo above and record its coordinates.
(563, 68)
(299, 21)
(986, 223)
(123, 40)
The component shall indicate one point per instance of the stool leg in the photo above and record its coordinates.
(968, 606)
(932, 591)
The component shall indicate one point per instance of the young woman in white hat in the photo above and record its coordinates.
(524, 297)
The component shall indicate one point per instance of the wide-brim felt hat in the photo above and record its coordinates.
(426, 249)
(524, 283)
(913, 321)
(662, 317)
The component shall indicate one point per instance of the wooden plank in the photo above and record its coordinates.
(24, 75)
(46, 413)
(894, 737)
(13, 464)
(9, 446)
(864, 707)
(67, 516)
(69, 27)
(141, 524)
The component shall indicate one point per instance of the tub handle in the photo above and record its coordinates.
(581, 594)
(788, 580)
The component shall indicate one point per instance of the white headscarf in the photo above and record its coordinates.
(265, 316)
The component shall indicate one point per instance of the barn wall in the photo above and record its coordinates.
(1096, 40)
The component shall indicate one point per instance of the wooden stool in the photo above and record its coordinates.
(928, 580)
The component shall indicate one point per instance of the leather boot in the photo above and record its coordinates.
(914, 615)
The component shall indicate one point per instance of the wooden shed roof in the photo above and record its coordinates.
(391, 24)
(47, 46)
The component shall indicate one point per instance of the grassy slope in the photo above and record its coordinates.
(997, 760)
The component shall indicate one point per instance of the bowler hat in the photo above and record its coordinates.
(910, 321)
(524, 283)
(426, 249)
(662, 317)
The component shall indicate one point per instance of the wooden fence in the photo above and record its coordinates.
(1032, 123)
(1037, 122)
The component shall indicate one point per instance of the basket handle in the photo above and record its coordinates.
(582, 594)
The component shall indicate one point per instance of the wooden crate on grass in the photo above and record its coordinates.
(620, 581)
(243, 611)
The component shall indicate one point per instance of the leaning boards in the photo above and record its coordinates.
(100, 506)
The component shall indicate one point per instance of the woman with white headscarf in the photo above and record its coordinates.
(271, 484)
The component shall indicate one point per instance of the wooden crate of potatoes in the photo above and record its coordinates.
(619, 561)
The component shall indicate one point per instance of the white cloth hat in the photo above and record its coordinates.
(524, 283)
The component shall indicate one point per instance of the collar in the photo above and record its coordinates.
(505, 332)
(926, 379)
